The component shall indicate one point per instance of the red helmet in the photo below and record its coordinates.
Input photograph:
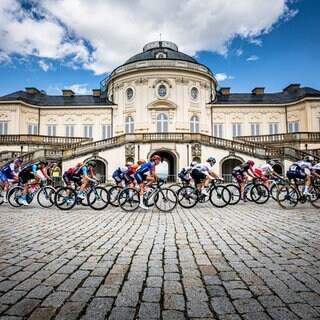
(156, 158)
(250, 162)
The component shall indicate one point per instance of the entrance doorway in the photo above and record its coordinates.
(167, 168)
(227, 167)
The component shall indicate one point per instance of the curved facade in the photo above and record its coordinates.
(161, 101)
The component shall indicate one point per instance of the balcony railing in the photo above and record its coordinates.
(283, 137)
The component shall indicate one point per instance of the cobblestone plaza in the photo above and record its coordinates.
(239, 262)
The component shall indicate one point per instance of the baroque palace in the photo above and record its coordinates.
(161, 101)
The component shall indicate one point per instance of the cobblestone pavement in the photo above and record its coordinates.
(240, 262)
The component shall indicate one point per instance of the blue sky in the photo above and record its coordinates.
(58, 44)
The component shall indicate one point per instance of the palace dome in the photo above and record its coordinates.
(160, 50)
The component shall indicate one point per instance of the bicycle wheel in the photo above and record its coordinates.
(287, 197)
(166, 199)
(219, 196)
(273, 191)
(15, 197)
(129, 199)
(235, 194)
(315, 198)
(65, 198)
(175, 187)
(114, 194)
(45, 196)
(187, 197)
(259, 193)
(98, 198)
(1, 195)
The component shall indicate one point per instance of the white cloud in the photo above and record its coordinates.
(45, 66)
(80, 88)
(102, 34)
(223, 76)
(253, 58)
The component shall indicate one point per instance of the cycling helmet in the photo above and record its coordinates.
(18, 160)
(91, 163)
(44, 162)
(193, 163)
(129, 163)
(141, 161)
(211, 159)
(156, 158)
(250, 162)
(309, 158)
(271, 162)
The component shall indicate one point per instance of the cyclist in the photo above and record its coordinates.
(128, 175)
(204, 172)
(82, 175)
(266, 170)
(241, 173)
(297, 171)
(10, 171)
(29, 172)
(67, 175)
(141, 175)
(184, 174)
(118, 173)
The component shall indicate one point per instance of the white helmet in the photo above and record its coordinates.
(309, 158)
(271, 162)
(129, 163)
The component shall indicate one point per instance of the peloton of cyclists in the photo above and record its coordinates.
(10, 172)
(30, 172)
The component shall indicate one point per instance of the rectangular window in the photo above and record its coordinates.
(318, 124)
(52, 130)
(273, 128)
(255, 129)
(32, 128)
(106, 131)
(70, 130)
(3, 127)
(236, 129)
(293, 126)
(218, 130)
(87, 130)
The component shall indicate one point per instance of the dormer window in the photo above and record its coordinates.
(161, 55)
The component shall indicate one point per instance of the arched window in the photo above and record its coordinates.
(162, 123)
(194, 124)
(129, 125)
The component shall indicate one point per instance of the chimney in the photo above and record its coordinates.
(32, 90)
(67, 93)
(96, 92)
(258, 90)
(225, 90)
(291, 87)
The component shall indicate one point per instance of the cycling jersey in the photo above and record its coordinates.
(263, 170)
(184, 174)
(238, 171)
(28, 172)
(200, 171)
(296, 170)
(8, 172)
(118, 174)
(140, 174)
